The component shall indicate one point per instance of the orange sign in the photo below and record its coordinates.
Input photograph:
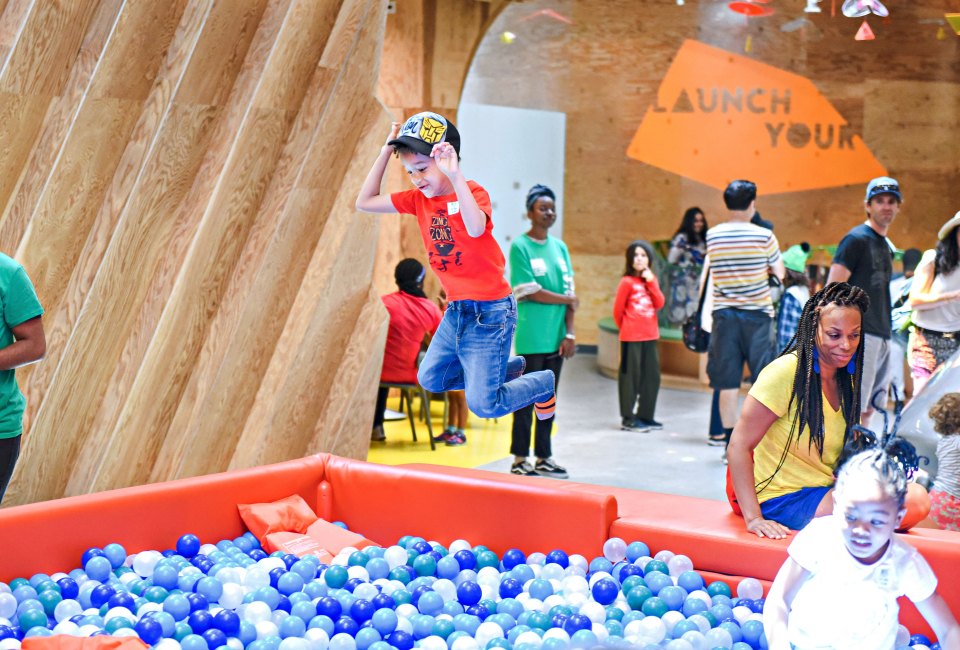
(721, 116)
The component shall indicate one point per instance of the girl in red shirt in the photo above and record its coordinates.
(635, 312)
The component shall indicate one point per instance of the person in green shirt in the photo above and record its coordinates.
(542, 279)
(21, 342)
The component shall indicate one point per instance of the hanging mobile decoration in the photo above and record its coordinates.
(812, 7)
(864, 33)
(860, 8)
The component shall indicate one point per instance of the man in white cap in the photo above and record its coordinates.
(864, 258)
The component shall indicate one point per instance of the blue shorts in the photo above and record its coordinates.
(795, 510)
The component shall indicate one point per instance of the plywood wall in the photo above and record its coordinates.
(178, 179)
(901, 93)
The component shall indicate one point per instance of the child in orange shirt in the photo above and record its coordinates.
(635, 312)
(471, 349)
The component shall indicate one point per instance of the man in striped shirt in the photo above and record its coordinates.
(741, 257)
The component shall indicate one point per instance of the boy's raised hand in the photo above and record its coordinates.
(394, 130)
(446, 157)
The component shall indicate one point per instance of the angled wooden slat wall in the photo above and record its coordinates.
(178, 179)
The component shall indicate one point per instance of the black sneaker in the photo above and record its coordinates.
(653, 425)
(546, 467)
(377, 435)
(628, 424)
(523, 469)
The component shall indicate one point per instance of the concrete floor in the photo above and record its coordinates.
(588, 440)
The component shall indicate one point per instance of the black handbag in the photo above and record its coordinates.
(694, 336)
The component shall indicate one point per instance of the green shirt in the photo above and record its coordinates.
(20, 304)
(540, 327)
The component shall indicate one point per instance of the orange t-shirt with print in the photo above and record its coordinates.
(469, 268)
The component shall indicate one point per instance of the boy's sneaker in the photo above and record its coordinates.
(546, 467)
(523, 469)
(653, 425)
(377, 435)
(717, 441)
(629, 424)
(546, 409)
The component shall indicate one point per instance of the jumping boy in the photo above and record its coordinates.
(471, 349)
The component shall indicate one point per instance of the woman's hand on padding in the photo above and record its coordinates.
(767, 528)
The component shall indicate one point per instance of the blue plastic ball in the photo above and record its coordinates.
(557, 556)
(469, 593)
(605, 591)
(576, 622)
(510, 588)
(101, 594)
(751, 632)
(194, 642)
(149, 630)
(366, 637)
(401, 640)
(89, 554)
(673, 596)
(466, 559)
(600, 564)
(693, 606)
(116, 554)
(512, 558)
(214, 638)
(385, 621)
(346, 625)
(68, 588)
(98, 568)
(292, 626)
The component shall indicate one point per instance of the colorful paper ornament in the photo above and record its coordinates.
(864, 33)
(813, 7)
(954, 20)
(750, 9)
(860, 8)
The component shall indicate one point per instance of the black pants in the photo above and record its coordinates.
(9, 452)
(381, 407)
(639, 379)
(523, 418)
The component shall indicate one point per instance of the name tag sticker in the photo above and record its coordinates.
(538, 266)
(453, 207)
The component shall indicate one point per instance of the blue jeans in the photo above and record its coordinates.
(471, 352)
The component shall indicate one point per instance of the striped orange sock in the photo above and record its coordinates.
(545, 410)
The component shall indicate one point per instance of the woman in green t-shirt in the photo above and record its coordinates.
(542, 279)
(798, 416)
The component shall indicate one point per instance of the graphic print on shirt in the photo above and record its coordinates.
(441, 238)
(640, 302)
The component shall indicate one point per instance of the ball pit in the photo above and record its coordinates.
(415, 594)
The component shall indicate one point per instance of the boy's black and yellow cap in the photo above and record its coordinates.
(424, 130)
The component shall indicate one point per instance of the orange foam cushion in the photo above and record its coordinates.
(290, 514)
(67, 642)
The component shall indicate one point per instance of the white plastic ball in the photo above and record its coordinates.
(444, 587)
(358, 572)
(113, 612)
(679, 644)
(145, 608)
(486, 632)
(317, 637)
(600, 632)
(903, 636)
(531, 604)
(64, 610)
(643, 561)
(229, 575)
(232, 595)
(652, 628)
(433, 642)
(679, 564)
(129, 577)
(367, 591)
(701, 622)
(268, 564)
(615, 549)
(88, 630)
(266, 628)
(233, 643)
(597, 577)
(664, 555)
(719, 638)
(125, 631)
(741, 613)
(556, 633)
(298, 643)
(167, 644)
(531, 638)
(459, 545)
(277, 616)
(404, 625)
(406, 610)
(593, 610)
(465, 643)
(553, 600)
(696, 639)
(552, 571)
(536, 558)
(145, 561)
(8, 605)
(670, 619)
(579, 561)
(256, 612)
(395, 556)
(751, 589)
(67, 627)
(576, 600)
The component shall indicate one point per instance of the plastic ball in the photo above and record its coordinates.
(116, 554)
(750, 588)
(98, 568)
(615, 549)
(718, 588)
(718, 637)
(673, 596)
(605, 591)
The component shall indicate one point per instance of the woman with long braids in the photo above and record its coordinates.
(798, 416)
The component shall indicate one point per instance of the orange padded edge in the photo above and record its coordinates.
(446, 503)
(52, 535)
